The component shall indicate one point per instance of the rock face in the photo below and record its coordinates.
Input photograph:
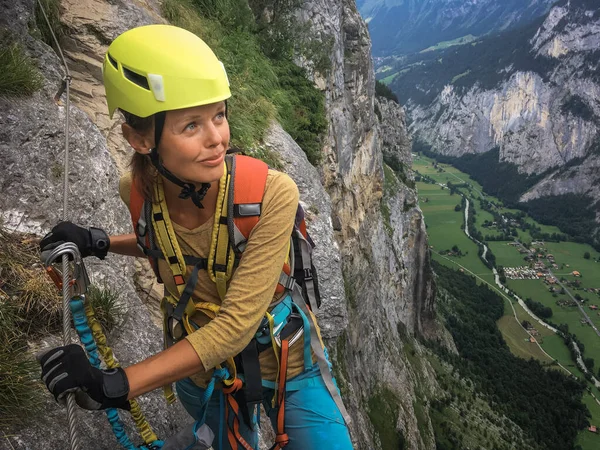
(395, 142)
(374, 270)
(386, 274)
(544, 121)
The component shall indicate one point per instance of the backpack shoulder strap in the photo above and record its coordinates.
(140, 210)
(248, 188)
(136, 203)
(238, 210)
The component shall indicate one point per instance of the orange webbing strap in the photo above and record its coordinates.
(233, 431)
(282, 439)
(250, 179)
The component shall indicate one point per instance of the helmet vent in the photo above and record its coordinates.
(112, 61)
(136, 78)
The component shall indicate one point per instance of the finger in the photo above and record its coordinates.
(62, 397)
(84, 400)
(49, 239)
(51, 355)
(39, 355)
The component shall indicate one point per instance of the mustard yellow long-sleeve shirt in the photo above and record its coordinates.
(251, 287)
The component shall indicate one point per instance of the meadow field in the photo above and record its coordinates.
(445, 230)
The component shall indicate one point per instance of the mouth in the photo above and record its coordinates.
(213, 160)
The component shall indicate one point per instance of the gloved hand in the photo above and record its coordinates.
(67, 369)
(90, 242)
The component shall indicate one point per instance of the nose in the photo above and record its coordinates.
(213, 135)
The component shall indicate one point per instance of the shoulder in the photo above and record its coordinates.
(280, 186)
(125, 187)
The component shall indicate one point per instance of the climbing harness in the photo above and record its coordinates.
(239, 203)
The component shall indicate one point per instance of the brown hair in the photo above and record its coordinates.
(143, 172)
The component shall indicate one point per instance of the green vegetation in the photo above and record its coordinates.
(438, 205)
(105, 302)
(445, 44)
(507, 255)
(383, 413)
(264, 81)
(563, 314)
(301, 109)
(459, 76)
(388, 80)
(543, 312)
(463, 417)
(381, 90)
(19, 388)
(572, 213)
(52, 9)
(18, 74)
(498, 179)
(517, 340)
(512, 382)
(31, 307)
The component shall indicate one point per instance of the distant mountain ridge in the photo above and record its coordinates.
(403, 26)
(532, 94)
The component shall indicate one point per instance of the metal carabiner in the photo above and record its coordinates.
(79, 276)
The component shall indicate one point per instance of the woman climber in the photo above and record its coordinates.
(238, 323)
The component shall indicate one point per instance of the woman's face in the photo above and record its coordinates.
(194, 141)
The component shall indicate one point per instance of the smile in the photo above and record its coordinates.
(213, 161)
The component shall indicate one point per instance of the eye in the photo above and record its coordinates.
(190, 126)
(220, 115)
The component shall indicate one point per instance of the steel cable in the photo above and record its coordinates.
(67, 288)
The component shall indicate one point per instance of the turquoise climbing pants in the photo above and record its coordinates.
(312, 419)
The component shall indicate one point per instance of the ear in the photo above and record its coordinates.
(140, 141)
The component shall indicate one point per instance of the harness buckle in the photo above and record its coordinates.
(308, 274)
(175, 328)
(142, 227)
(294, 320)
(143, 249)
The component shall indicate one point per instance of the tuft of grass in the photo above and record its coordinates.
(26, 286)
(19, 385)
(29, 307)
(18, 74)
(52, 9)
(105, 302)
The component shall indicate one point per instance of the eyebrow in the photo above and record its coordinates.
(191, 116)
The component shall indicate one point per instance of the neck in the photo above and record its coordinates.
(184, 210)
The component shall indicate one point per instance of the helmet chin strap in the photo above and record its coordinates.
(188, 190)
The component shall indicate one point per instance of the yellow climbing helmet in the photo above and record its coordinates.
(159, 68)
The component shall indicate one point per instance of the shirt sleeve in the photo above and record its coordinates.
(125, 188)
(253, 284)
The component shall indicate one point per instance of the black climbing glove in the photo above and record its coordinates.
(90, 242)
(67, 369)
